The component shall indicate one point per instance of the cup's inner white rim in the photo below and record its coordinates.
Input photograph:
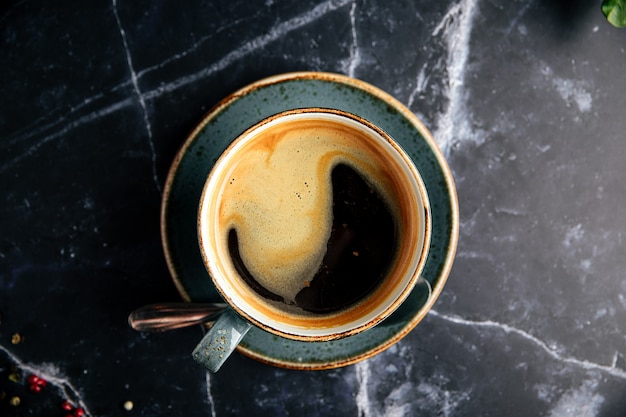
(240, 304)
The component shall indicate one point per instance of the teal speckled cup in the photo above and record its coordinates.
(183, 194)
(314, 225)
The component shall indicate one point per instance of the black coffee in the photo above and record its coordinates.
(310, 211)
(359, 251)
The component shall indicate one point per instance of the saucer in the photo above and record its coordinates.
(254, 103)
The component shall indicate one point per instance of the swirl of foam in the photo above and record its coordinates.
(278, 198)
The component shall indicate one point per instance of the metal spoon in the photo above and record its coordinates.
(170, 316)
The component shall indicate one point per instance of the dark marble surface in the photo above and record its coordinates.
(526, 98)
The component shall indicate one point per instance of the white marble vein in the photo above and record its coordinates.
(253, 45)
(447, 402)
(403, 398)
(83, 120)
(554, 353)
(454, 125)
(196, 45)
(363, 402)
(210, 399)
(582, 401)
(37, 128)
(53, 376)
(355, 53)
(573, 92)
(518, 17)
(420, 85)
(274, 33)
(142, 102)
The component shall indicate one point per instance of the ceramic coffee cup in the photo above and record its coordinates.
(314, 225)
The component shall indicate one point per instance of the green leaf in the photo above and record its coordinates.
(615, 12)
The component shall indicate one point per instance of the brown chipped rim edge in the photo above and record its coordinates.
(377, 92)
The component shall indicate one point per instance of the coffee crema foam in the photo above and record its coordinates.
(278, 197)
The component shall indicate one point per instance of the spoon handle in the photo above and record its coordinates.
(169, 316)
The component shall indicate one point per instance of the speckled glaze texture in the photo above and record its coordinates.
(251, 105)
(524, 98)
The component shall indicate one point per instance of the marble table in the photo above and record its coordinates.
(526, 100)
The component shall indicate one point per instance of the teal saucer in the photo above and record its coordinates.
(274, 95)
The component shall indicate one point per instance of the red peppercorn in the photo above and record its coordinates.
(36, 384)
(67, 406)
(79, 412)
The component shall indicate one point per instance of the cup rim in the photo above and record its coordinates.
(418, 261)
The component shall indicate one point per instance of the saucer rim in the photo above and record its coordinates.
(376, 92)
